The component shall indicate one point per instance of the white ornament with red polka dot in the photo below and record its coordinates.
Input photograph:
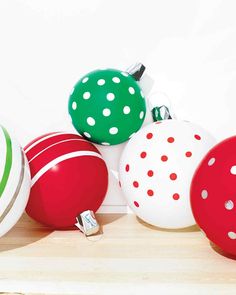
(156, 169)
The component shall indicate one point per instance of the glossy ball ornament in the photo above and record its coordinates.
(69, 176)
(107, 106)
(14, 181)
(156, 169)
(213, 195)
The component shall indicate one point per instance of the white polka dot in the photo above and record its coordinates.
(116, 80)
(131, 90)
(142, 94)
(74, 105)
(124, 74)
(204, 194)
(141, 115)
(87, 134)
(110, 96)
(101, 82)
(211, 161)
(131, 135)
(106, 112)
(233, 170)
(126, 110)
(229, 205)
(85, 80)
(113, 130)
(91, 121)
(232, 235)
(105, 143)
(86, 95)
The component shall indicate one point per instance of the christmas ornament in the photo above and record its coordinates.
(157, 166)
(14, 181)
(108, 106)
(213, 195)
(69, 176)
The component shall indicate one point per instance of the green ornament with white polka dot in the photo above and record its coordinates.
(107, 106)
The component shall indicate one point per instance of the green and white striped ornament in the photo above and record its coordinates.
(14, 181)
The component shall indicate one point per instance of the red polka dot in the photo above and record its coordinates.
(198, 137)
(158, 122)
(175, 196)
(164, 158)
(173, 176)
(127, 168)
(150, 173)
(150, 193)
(143, 155)
(136, 204)
(135, 184)
(170, 139)
(149, 135)
(188, 154)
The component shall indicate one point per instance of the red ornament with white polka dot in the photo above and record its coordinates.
(156, 169)
(69, 176)
(213, 195)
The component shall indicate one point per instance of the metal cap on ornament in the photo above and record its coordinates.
(136, 71)
(87, 223)
(160, 106)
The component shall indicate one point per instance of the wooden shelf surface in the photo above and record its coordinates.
(130, 257)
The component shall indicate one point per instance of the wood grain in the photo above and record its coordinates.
(130, 257)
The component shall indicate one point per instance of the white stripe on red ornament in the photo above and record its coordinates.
(56, 149)
(54, 145)
(39, 139)
(58, 160)
(44, 141)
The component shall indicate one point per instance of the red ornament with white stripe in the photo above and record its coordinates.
(69, 176)
(156, 169)
(213, 195)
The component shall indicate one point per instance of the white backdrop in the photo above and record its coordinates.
(188, 47)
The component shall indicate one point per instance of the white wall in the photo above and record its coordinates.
(188, 47)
